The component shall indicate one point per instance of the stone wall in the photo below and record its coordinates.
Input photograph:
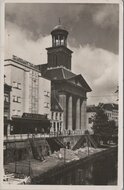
(25, 150)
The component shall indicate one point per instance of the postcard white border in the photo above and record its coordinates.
(120, 74)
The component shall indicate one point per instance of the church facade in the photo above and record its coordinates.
(69, 89)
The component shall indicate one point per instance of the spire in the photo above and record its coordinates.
(59, 21)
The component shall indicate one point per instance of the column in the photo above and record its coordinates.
(83, 115)
(70, 113)
(78, 114)
(62, 101)
(54, 41)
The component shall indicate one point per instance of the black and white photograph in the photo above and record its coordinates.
(61, 81)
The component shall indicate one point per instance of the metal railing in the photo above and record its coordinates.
(40, 135)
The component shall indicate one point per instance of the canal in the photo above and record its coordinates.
(101, 171)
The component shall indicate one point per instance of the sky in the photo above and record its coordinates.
(93, 38)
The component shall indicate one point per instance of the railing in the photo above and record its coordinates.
(39, 135)
(25, 136)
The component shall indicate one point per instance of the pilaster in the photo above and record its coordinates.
(70, 113)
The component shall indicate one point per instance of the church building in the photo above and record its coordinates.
(70, 89)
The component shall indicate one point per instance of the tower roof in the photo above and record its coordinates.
(59, 29)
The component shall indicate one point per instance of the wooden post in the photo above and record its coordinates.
(64, 154)
(29, 168)
(88, 144)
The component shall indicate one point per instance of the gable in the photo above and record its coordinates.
(78, 80)
(75, 81)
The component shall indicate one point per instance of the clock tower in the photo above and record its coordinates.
(59, 55)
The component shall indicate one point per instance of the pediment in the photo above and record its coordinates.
(75, 81)
(78, 80)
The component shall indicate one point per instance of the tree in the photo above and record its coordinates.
(113, 129)
(100, 122)
(103, 127)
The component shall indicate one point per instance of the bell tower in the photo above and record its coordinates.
(59, 55)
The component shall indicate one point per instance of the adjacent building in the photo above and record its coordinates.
(91, 111)
(7, 91)
(110, 109)
(71, 89)
(31, 93)
(56, 115)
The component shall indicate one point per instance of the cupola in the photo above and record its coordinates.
(59, 35)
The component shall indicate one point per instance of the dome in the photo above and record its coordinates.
(59, 27)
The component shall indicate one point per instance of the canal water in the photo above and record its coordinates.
(100, 172)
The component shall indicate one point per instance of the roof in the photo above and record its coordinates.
(62, 74)
(42, 68)
(79, 78)
(21, 62)
(59, 27)
(55, 106)
(59, 73)
(109, 106)
(92, 108)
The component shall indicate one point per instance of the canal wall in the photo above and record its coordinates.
(25, 150)
(96, 169)
(38, 148)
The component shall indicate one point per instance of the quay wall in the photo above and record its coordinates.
(24, 149)
(97, 169)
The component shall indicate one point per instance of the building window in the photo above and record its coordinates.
(52, 115)
(6, 97)
(16, 85)
(14, 112)
(19, 86)
(56, 116)
(46, 105)
(17, 99)
(54, 126)
(60, 116)
(90, 120)
(46, 93)
(14, 99)
(57, 126)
